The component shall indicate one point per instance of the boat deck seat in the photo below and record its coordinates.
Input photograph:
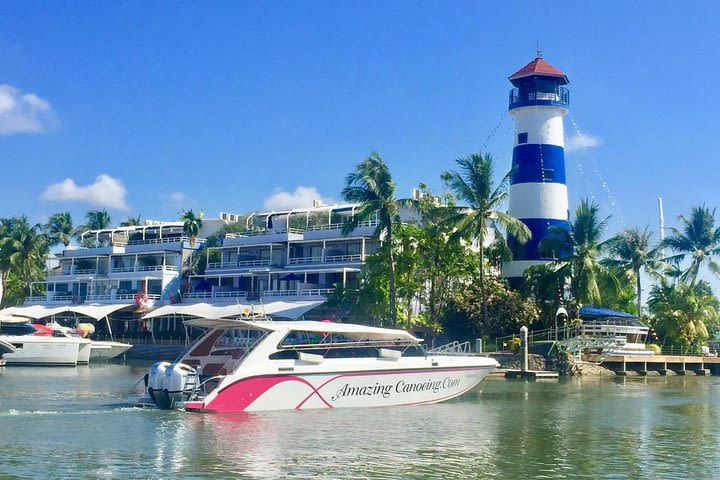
(212, 369)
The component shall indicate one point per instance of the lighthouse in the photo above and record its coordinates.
(538, 193)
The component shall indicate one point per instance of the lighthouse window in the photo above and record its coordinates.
(522, 137)
(548, 174)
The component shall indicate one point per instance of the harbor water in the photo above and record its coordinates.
(75, 423)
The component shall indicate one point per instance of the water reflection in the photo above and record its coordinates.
(659, 427)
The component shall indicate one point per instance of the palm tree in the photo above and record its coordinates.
(683, 312)
(634, 251)
(97, 219)
(699, 239)
(473, 186)
(59, 229)
(24, 250)
(94, 220)
(191, 224)
(583, 242)
(371, 185)
(131, 222)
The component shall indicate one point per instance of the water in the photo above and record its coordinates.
(73, 422)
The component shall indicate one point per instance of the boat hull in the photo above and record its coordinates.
(100, 350)
(32, 350)
(343, 390)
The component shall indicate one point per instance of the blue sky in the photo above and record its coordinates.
(149, 107)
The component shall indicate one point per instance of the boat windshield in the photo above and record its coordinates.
(339, 345)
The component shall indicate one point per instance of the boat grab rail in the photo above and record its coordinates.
(194, 392)
(452, 348)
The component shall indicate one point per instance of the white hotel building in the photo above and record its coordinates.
(297, 255)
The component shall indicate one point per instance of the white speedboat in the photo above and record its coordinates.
(105, 350)
(84, 345)
(241, 365)
(5, 347)
(35, 350)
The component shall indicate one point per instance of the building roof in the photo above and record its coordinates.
(538, 67)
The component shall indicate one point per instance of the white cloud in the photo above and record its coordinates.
(302, 197)
(22, 112)
(177, 199)
(581, 142)
(106, 191)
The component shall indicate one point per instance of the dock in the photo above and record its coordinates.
(662, 364)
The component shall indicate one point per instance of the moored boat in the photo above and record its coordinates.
(105, 350)
(242, 365)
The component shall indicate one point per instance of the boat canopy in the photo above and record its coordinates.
(348, 329)
(290, 309)
(11, 319)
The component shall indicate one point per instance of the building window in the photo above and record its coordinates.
(548, 174)
(522, 137)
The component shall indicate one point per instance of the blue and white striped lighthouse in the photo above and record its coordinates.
(538, 193)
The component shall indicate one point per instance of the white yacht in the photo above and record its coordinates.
(249, 365)
(32, 349)
(105, 350)
(90, 350)
(84, 345)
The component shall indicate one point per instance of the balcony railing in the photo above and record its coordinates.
(337, 226)
(148, 268)
(298, 293)
(326, 259)
(118, 296)
(264, 231)
(240, 264)
(164, 240)
(304, 260)
(79, 271)
(45, 299)
(560, 96)
(343, 258)
(231, 294)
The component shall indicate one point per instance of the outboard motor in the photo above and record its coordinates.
(156, 384)
(179, 378)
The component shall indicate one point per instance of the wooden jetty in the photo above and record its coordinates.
(662, 364)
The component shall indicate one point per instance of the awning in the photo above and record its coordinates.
(204, 310)
(38, 311)
(96, 310)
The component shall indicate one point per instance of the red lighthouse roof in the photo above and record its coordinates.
(539, 67)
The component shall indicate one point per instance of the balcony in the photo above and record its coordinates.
(111, 298)
(334, 230)
(74, 272)
(559, 98)
(334, 259)
(229, 296)
(240, 265)
(264, 236)
(310, 292)
(96, 251)
(161, 244)
(49, 299)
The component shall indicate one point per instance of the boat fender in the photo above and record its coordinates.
(156, 384)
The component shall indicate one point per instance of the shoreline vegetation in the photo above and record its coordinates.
(449, 261)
